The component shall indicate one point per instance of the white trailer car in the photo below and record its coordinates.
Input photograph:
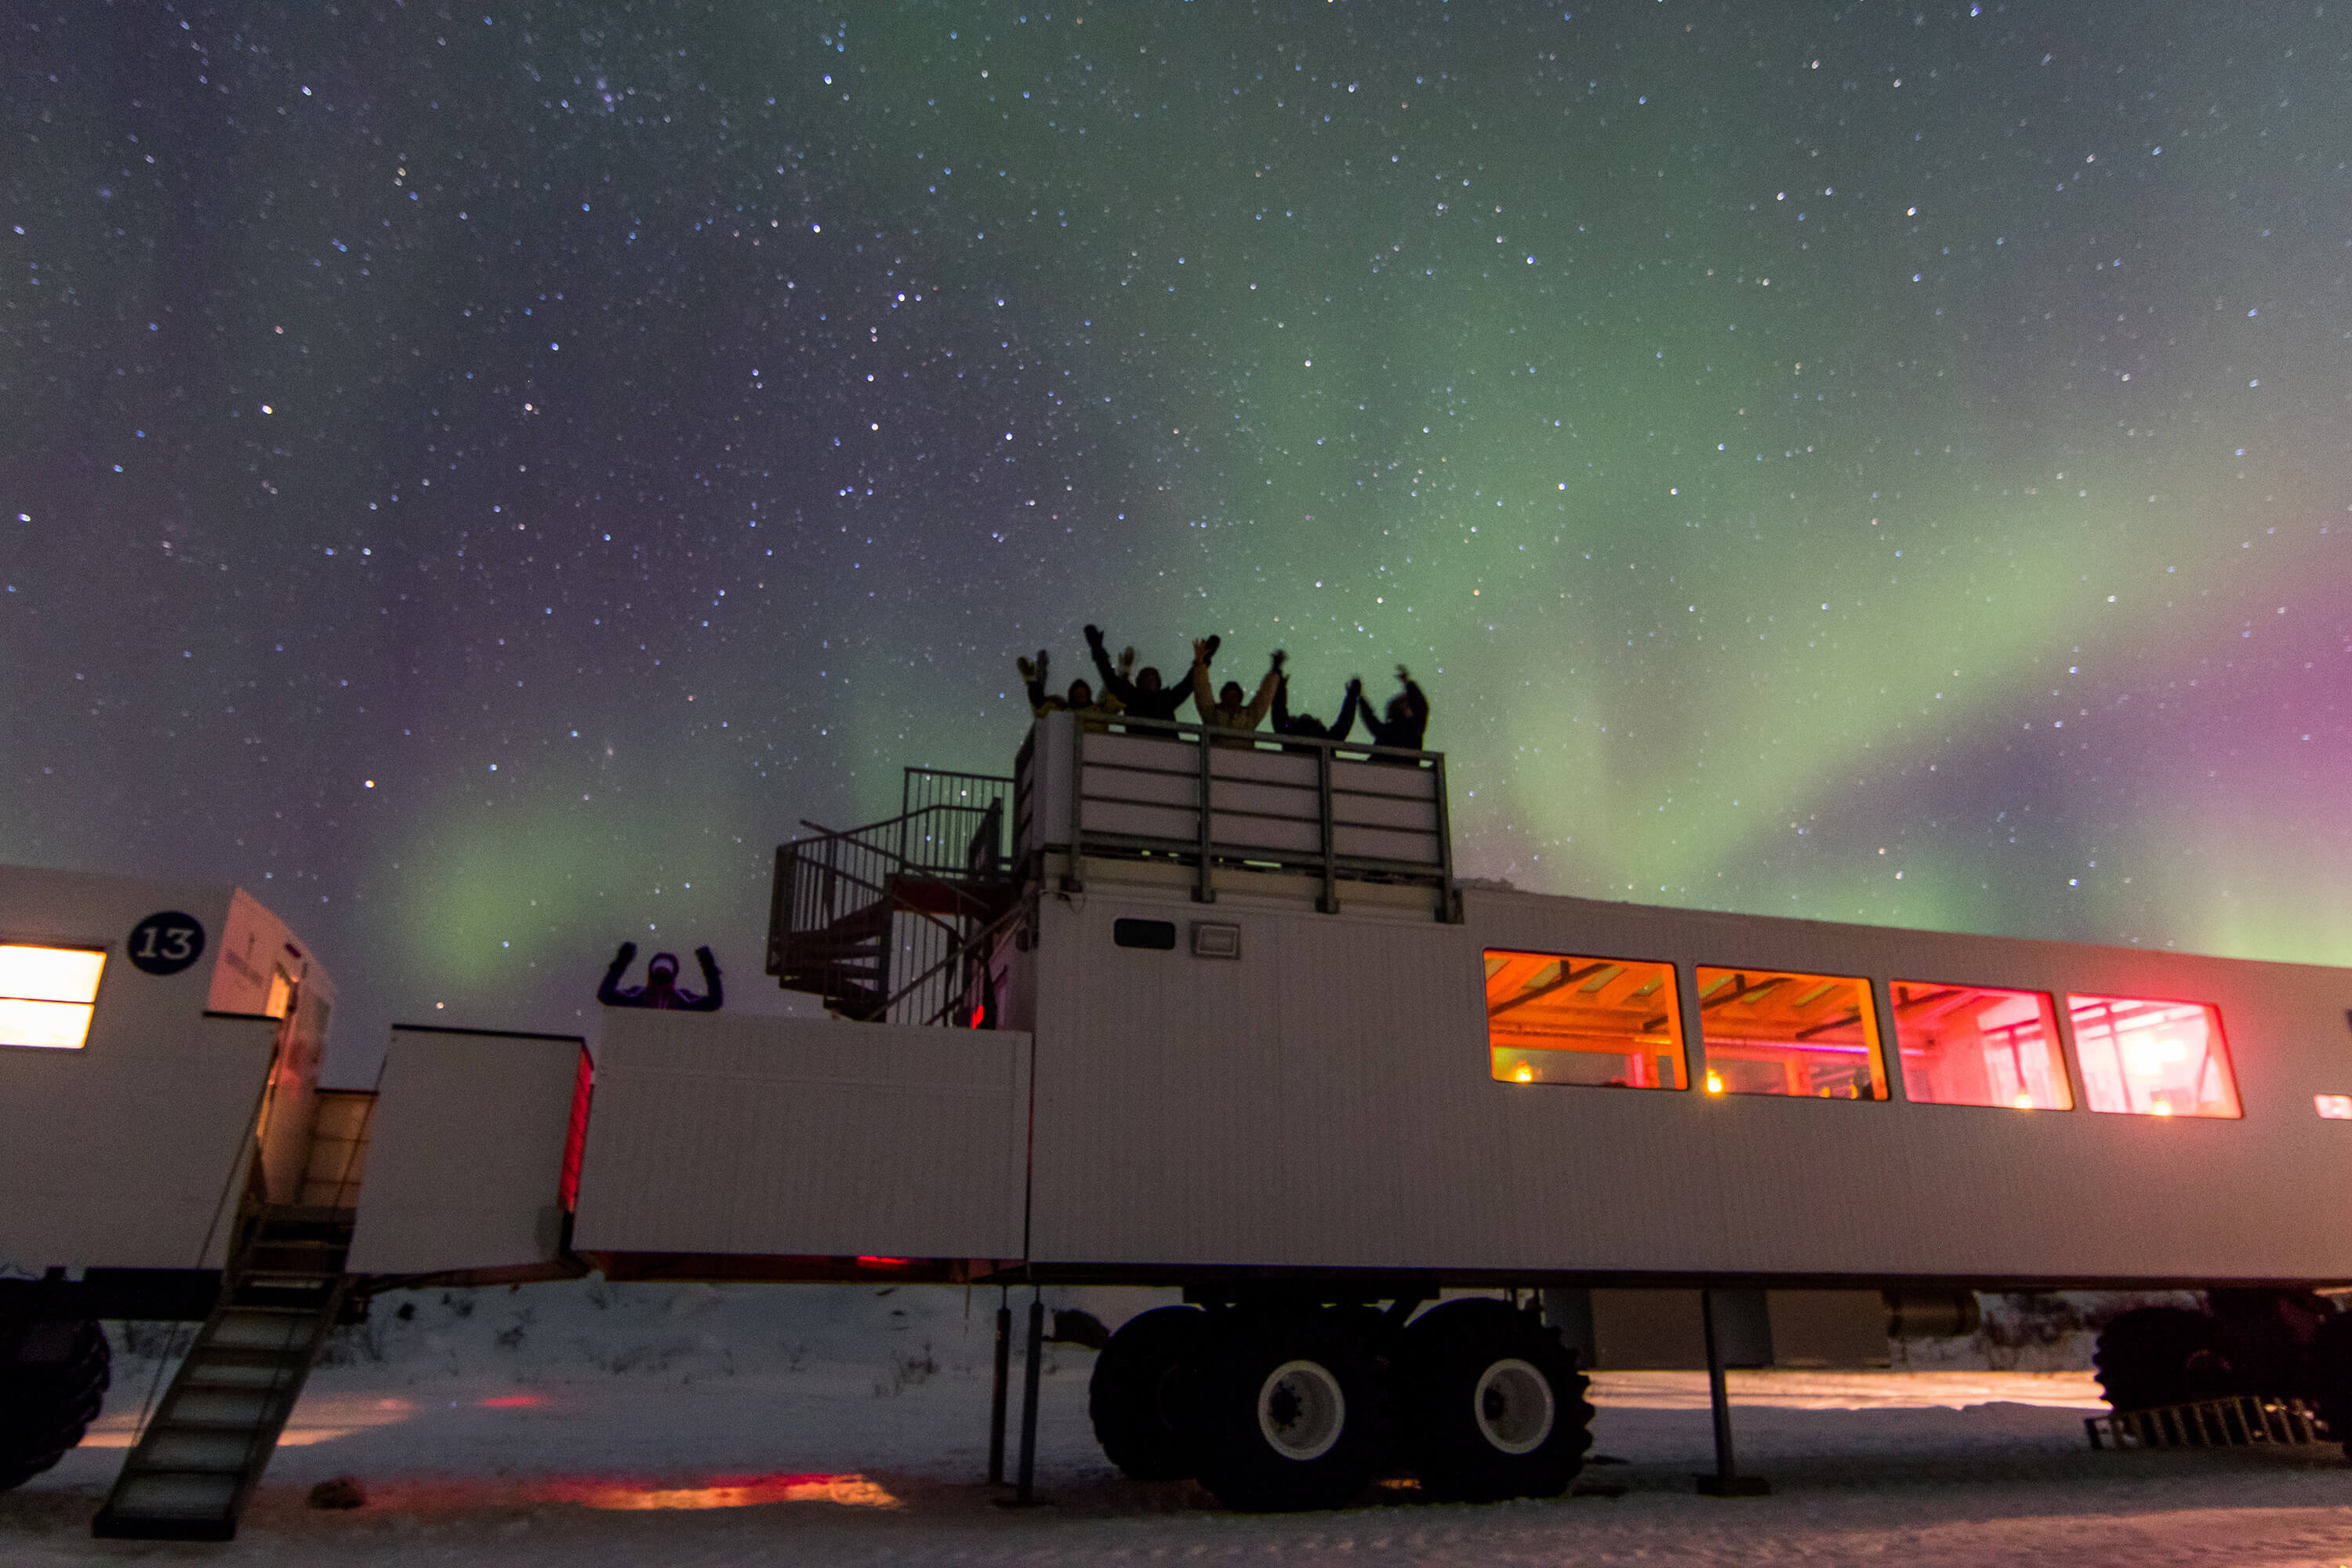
(1221, 1017)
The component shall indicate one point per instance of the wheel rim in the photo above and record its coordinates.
(1301, 1410)
(1513, 1406)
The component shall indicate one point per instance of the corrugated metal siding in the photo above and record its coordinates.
(1327, 1100)
(799, 1137)
(464, 1153)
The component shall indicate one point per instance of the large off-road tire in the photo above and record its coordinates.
(1286, 1410)
(52, 1382)
(2265, 1336)
(1491, 1404)
(2327, 1377)
(1130, 1396)
(2159, 1355)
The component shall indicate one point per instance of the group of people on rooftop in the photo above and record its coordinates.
(1128, 692)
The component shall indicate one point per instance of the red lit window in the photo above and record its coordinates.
(1611, 1022)
(1770, 1032)
(2153, 1059)
(1972, 1045)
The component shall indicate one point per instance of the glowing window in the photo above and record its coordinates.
(1770, 1032)
(1971, 1045)
(2153, 1059)
(47, 994)
(1611, 1022)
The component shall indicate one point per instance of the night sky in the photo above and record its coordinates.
(478, 478)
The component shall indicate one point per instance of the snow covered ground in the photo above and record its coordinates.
(585, 1424)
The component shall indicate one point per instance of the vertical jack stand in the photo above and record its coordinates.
(1025, 1489)
(996, 1395)
(1726, 1482)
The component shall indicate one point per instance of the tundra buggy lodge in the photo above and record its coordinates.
(1202, 1011)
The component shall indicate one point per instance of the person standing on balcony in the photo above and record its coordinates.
(1407, 719)
(1080, 699)
(1228, 710)
(1144, 697)
(1286, 722)
(660, 989)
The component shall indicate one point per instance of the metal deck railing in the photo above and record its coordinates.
(1205, 797)
(876, 919)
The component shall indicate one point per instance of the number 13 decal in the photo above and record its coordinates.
(166, 943)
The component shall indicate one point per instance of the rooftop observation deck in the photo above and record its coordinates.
(1139, 800)
(884, 921)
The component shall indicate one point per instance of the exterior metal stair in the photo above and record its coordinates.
(201, 1456)
(878, 919)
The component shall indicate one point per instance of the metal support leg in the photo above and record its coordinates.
(1026, 1492)
(1726, 1482)
(996, 1395)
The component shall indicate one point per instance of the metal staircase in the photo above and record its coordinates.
(878, 919)
(197, 1464)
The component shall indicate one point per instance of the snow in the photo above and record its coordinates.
(589, 1424)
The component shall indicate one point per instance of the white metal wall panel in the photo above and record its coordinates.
(803, 1137)
(1326, 1099)
(128, 1153)
(465, 1153)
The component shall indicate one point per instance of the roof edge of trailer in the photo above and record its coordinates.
(1482, 889)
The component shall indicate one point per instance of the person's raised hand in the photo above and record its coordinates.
(1094, 636)
(1280, 658)
(1215, 642)
(1028, 670)
(1403, 674)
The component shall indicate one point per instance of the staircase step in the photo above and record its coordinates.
(223, 1405)
(221, 1449)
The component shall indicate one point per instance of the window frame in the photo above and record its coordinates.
(102, 952)
(1676, 1025)
(1875, 1031)
(2061, 1040)
(2217, 1030)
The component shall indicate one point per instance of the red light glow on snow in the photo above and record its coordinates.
(721, 1491)
(513, 1401)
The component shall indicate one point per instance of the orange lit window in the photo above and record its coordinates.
(47, 994)
(1767, 1032)
(1614, 1022)
(2153, 1059)
(1971, 1045)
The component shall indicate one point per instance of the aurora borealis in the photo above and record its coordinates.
(479, 477)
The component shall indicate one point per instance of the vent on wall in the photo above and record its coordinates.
(1211, 940)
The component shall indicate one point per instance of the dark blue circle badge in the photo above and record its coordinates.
(166, 943)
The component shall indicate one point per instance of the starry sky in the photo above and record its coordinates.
(479, 476)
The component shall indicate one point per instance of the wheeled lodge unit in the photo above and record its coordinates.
(1186, 1008)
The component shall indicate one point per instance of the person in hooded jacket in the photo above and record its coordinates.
(1286, 722)
(1407, 718)
(660, 989)
(1144, 697)
(1080, 699)
(1228, 710)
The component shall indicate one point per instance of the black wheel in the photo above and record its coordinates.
(1492, 1404)
(2328, 1377)
(2265, 1336)
(1128, 1396)
(51, 1387)
(1286, 1410)
(2158, 1355)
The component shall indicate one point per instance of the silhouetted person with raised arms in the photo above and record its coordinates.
(1286, 722)
(1407, 719)
(660, 989)
(1145, 696)
(1231, 708)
